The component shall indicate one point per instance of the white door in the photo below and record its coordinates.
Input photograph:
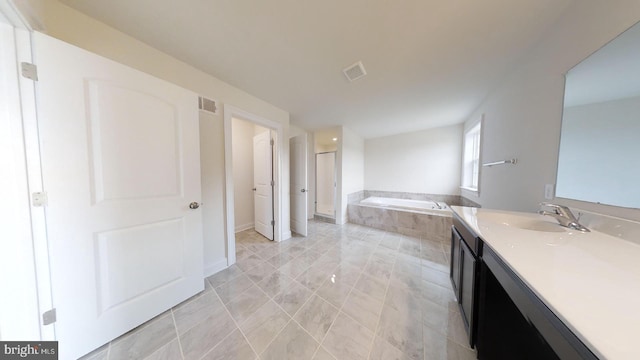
(262, 184)
(298, 151)
(325, 183)
(120, 163)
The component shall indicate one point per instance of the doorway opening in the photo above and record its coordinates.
(272, 185)
(253, 177)
(326, 184)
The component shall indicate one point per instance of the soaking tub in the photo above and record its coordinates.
(426, 219)
(405, 204)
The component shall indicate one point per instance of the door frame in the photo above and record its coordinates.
(335, 182)
(35, 272)
(281, 231)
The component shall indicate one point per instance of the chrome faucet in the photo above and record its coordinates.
(563, 215)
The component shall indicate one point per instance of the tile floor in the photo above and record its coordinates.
(342, 293)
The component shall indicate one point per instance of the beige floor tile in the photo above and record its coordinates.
(314, 277)
(144, 340)
(247, 303)
(348, 340)
(379, 268)
(363, 308)
(100, 353)
(260, 271)
(404, 301)
(374, 287)
(233, 347)
(292, 298)
(280, 259)
(223, 276)
(334, 292)
(323, 354)
(382, 350)
(437, 294)
(170, 351)
(263, 326)
(401, 330)
(294, 268)
(234, 287)
(439, 347)
(316, 316)
(436, 277)
(249, 262)
(293, 343)
(190, 313)
(201, 338)
(275, 283)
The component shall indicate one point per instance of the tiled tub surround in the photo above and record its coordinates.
(430, 224)
(345, 292)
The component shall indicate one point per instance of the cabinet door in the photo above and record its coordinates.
(454, 272)
(467, 285)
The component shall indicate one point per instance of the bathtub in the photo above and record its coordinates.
(425, 219)
(405, 204)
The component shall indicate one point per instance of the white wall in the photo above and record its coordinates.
(599, 140)
(242, 141)
(426, 161)
(76, 28)
(523, 114)
(350, 173)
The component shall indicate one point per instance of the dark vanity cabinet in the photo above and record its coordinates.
(504, 319)
(464, 270)
(513, 323)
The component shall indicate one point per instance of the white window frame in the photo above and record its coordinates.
(471, 156)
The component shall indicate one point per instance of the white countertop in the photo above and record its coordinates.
(591, 281)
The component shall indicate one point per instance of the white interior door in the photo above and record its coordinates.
(263, 184)
(298, 151)
(325, 183)
(120, 164)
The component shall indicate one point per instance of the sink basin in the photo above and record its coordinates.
(532, 222)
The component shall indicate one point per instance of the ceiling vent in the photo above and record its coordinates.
(208, 105)
(355, 71)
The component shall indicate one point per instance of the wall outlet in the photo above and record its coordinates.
(548, 191)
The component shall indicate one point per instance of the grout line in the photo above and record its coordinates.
(175, 326)
(231, 332)
(386, 292)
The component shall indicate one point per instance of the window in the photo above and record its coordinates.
(471, 158)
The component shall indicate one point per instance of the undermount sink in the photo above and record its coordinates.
(533, 222)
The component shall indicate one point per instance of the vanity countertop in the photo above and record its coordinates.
(591, 281)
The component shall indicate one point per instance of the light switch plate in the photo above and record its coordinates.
(548, 191)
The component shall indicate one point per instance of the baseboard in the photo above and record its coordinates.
(244, 227)
(214, 267)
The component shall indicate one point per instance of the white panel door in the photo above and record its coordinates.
(262, 177)
(121, 164)
(298, 151)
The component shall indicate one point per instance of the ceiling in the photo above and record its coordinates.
(430, 63)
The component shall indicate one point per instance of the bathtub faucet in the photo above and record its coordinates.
(438, 205)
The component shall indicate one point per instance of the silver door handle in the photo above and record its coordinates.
(303, 190)
(194, 205)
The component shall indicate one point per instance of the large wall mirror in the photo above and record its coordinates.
(599, 158)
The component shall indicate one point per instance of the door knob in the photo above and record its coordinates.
(194, 205)
(254, 189)
(303, 190)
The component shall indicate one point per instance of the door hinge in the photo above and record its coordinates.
(49, 317)
(272, 183)
(39, 199)
(30, 71)
(273, 223)
(271, 142)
